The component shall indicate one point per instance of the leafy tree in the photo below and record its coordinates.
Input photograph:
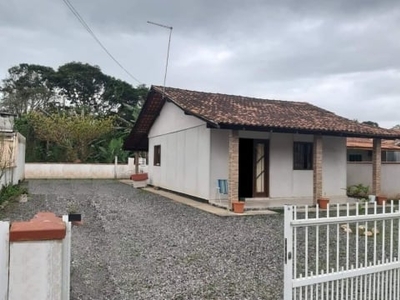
(82, 86)
(107, 149)
(27, 87)
(88, 90)
(74, 89)
(74, 133)
(371, 123)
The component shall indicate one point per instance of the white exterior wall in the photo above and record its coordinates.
(219, 160)
(334, 168)
(362, 173)
(185, 153)
(284, 182)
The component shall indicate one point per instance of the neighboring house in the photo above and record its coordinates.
(12, 148)
(359, 164)
(282, 151)
(359, 150)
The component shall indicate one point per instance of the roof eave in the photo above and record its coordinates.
(304, 131)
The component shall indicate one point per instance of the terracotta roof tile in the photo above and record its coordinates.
(362, 143)
(229, 111)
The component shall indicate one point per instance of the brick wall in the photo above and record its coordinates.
(233, 185)
(317, 165)
(376, 167)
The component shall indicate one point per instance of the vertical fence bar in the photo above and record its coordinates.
(391, 234)
(4, 259)
(288, 269)
(375, 212)
(327, 241)
(337, 239)
(347, 253)
(294, 216)
(383, 234)
(306, 251)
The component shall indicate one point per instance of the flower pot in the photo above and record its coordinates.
(380, 200)
(238, 207)
(139, 177)
(323, 203)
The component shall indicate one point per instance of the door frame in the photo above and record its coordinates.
(264, 194)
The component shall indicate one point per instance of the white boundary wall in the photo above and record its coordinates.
(15, 174)
(80, 171)
(362, 173)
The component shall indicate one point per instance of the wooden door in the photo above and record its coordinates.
(261, 168)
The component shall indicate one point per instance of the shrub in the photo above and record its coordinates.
(358, 191)
(11, 191)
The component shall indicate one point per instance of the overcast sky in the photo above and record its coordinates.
(341, 55)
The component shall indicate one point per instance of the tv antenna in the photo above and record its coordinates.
(169, 44)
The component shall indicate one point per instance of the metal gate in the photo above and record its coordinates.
(344, 252)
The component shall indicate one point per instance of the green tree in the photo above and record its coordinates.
(74, 89)
(74, 133)
(87, 89)
(27, 87)
(371, 123)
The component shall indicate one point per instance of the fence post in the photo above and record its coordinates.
(35, 267)
(288, 240)
(4, 259)
(66, 260)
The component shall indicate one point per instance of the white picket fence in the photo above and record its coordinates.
(35, 271)
(344, 252)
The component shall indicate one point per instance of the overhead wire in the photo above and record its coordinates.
(90, 31)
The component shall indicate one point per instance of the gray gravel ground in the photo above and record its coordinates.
(137, 245)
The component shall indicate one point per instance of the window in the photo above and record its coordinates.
(157, 155)
(355, 157)
(302, 156)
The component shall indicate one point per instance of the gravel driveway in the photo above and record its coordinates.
(137, 245)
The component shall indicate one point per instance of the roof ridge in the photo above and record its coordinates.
(160, 89)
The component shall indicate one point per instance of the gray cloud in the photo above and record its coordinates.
(341, 55)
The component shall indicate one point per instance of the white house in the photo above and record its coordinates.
(359, 165)
(269, 150)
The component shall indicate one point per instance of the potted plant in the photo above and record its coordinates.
(238, 207)
(323, 202)
(381, 200)
(139, 177)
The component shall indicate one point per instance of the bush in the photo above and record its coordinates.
(11, 191)
(358, 191)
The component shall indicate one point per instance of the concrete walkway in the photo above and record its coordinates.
(200, 205)
(205, 206)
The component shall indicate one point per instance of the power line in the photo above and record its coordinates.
(89, 30)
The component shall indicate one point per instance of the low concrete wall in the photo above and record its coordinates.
(361, 172)
(78, 171)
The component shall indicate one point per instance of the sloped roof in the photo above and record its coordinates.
(238, 112)
(366, 144)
